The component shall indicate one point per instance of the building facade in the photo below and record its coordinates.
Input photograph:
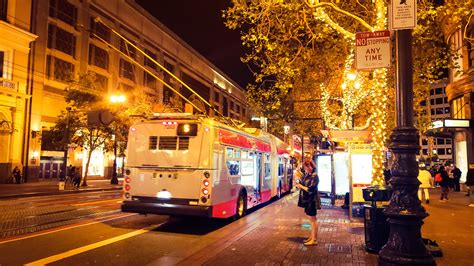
(437, 106)
(460, 92)
(85, 36)
(15, 85)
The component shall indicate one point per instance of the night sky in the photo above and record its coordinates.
(200, 24)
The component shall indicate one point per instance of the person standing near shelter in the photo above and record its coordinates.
(426, 182)
(445, 183)
(456, 178)
(308, 198)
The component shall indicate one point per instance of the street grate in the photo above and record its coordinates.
(338, 248)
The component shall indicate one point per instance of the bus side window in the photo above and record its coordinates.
(233, 166)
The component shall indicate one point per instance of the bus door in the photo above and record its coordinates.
(258, 176)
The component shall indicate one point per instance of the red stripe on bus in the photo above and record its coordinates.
(224, 210)
(266, 195)
(235, 139)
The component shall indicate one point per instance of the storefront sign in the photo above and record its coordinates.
(372, 50)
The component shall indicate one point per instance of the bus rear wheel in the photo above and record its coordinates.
(241, 205)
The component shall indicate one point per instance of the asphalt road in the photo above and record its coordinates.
(89, 229)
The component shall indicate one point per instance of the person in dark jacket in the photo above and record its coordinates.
(470, 183)
(445, 183)
(17, 175)
(456, 178)
(309, 198)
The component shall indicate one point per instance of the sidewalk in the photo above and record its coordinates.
(274, 235)
(50, 187)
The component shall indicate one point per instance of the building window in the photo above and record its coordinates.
(448, 141)
(470, 47)
(126, 87)
(99, 29)
(167, 93)
(128, 49)
(244, 112)
(148, 62)
(61, 40)
(425, 151)
(440, 141)
(439, 101)
(441, 151)
(225, 107)
(127, 70)
(149, 80)
(58, 69)
(101, 81)
(424, 142)
(2, 55)
(458, 107)
(63, 10)
(98, 57)
(3, 9)
(237, 109)
(438, 91)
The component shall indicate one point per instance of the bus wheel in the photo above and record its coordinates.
(241, 205)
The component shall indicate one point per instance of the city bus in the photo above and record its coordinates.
(192, 165)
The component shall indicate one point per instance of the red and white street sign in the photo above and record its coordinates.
(372, 50)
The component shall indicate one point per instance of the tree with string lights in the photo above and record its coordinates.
(301, 50)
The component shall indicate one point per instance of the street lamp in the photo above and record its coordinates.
(115, 99)
(405, 213)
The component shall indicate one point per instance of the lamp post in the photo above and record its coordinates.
(405, 213)
(65, 167)
(115, 99)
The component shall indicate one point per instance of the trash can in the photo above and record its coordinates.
(376, 227)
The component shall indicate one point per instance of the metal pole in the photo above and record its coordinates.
(68, 110)
(405, 213)
(114, 180)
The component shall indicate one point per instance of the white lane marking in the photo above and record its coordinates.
(83, 249)
(67, 228)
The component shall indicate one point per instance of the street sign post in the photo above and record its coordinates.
(402, 14)
(372, 50)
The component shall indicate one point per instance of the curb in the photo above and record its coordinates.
(51, 193)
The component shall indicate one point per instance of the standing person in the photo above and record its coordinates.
(17, 174)
(445, 183)
(308, 199)
(456, 178)
(426, 182)
(470, 184)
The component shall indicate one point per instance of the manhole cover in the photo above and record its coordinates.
(335, 248)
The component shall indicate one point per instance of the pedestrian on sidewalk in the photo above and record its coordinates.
(426, 182)
(308, 198)
(470, 183)
(456, 178)
(17, 175)
(445, 183)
